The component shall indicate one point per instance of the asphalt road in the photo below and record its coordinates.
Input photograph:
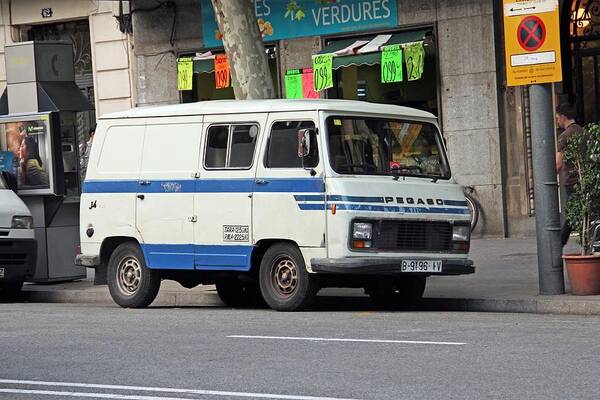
(52, 351)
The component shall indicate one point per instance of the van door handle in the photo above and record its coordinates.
(141, 196)
(145, 183)
(261, 182)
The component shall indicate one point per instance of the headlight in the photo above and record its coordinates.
(362, 231)
(461, 233)
(22, 222)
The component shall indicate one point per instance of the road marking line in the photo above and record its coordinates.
(318, 339)
(142, 389)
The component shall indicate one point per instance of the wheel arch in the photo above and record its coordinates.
(109, 245)
(260, 249)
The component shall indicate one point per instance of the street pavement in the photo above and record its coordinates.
(506, 280)
(59, 351)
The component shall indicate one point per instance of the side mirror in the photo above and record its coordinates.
(304, 139)
(11, 180)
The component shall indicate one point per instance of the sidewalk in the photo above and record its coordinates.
(505, 281)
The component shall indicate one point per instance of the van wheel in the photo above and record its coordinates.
(130, 283)
(397, 294)
(284, 282)
(10, 290)
(237, 294)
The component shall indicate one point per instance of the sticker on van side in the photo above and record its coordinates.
(236, 233)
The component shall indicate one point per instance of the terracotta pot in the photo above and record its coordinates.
(584, 274)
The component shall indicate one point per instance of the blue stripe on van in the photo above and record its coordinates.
(355, 199)
(403, 210)
(273, 185)
(198, 257)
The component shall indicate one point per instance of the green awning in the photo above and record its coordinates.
(204, 66)
(368, 58)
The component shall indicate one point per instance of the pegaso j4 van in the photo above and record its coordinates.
(273, 200)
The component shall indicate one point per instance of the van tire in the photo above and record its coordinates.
(402, 293)
(10, 290)
(237, 294)
(285, 283)
(130, 282)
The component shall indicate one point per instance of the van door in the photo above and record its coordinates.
(289, 197)
(165, 198)
(223, 201)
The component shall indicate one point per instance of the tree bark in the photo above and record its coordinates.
(250, 73)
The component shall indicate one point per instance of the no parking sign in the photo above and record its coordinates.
(532, 42)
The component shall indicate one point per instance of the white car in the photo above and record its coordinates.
(18, 247)
(272, 200)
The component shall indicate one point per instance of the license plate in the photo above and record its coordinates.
(429, 266)
(1, 273)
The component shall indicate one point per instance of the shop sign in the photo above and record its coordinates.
(286, 19)
(185, 73)
(532, 42)
(391, 64)
(222, 71)
(323, 71)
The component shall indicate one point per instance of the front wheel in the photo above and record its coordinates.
(397, 294)
(130, 282)
(285, 283)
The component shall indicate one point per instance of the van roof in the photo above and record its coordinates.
(254, 106)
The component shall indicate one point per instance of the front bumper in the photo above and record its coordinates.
(385, 266)
(18, 258)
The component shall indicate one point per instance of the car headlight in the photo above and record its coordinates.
(22, 222)
(362, 231)
(461, 233)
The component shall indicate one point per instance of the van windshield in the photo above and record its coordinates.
(380, 146)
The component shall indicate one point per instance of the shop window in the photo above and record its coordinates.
(230, 146)
(283, 146)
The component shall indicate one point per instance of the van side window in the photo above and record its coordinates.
(282, 149)
(230, 146)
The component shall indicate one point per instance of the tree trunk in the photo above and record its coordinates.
(250, 73)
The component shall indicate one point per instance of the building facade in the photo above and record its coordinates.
(133, 47)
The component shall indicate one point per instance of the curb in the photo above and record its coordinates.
(534, 305)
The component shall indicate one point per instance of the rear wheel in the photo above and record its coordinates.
(10, 290)
(130, 282)
(397, 294)
(284, 282)
(235, 293)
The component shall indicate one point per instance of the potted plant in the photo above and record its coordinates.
(583, 209)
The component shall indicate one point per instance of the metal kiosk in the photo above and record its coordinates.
(44, 118)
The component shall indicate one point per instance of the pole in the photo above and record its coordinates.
(547, 217)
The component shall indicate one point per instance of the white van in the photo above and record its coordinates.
(273, 200)
(18, 247)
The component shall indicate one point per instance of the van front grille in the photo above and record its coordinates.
(12, 259)
(417, 236)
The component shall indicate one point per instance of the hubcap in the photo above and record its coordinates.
(129, 275)
(284, 276)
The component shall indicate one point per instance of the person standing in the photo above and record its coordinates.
(84, 152)
(565, 120)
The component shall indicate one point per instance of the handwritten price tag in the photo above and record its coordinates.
(415, 60)
(222, 71)
(293, 84)
(391, 64)
(323, 72)
(185, 73)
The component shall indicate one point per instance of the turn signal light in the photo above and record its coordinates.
(361, 244)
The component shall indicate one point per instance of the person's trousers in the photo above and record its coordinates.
(566, 229)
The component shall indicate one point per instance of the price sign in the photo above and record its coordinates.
(185, 73)
(308, 84)
(222, 71)
(293, 84)
(322, 71)
(391, 64)
(415, 60)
